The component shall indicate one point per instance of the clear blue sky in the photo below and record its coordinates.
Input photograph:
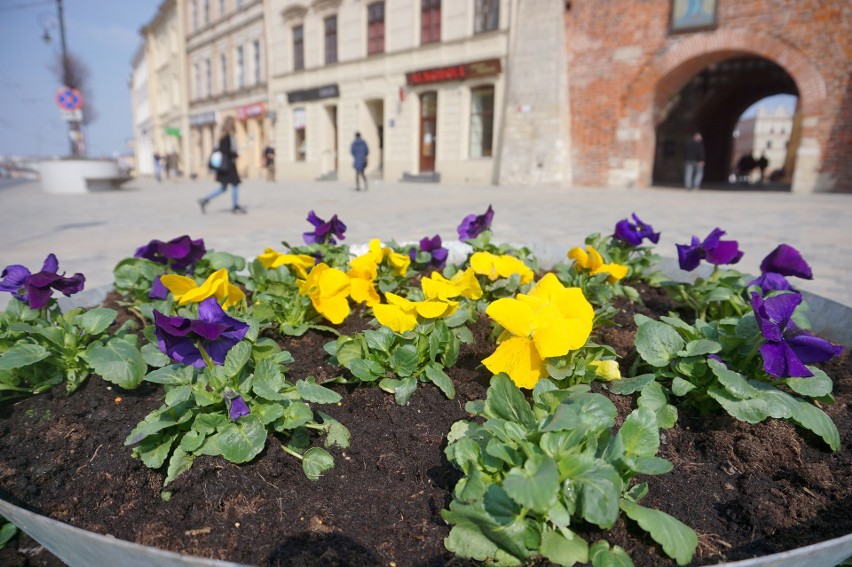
(104, 34)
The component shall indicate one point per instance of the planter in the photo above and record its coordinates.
(82, 547)
(74, 176)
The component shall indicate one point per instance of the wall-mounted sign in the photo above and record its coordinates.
(316, 93)
(202, 119)
(173, 132)
(251, 110)
(461, 72)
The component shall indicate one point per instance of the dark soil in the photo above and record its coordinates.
(747, 490)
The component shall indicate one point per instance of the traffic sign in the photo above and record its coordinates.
(72, 115)
(69, 99)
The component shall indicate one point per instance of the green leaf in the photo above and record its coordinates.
(678, 540)
(535, 485)
(316, 461)
(347, 351)
(153, 357)
(657, 343)
(584, 410)
(602, 556)
(365, 370)
(191, 440)
(380, 339)
(440, 379)
(505, 401)
(243, 440)
(653, 397)
(7, 532)
(475, 520)
(649, 465)
(154, 450)
(598, 487)
(20, 355)
(406, 388)
(816, 386)
(173, 374)
(404, 360)
(178, 394)
(156, 421)
(96, 321)
(236, 358)
(733, 382)
(336, 433)
(640, 434)
(563, 551)
(296, 415)
(268, 380)
(753, 410)
(700, 347)
(310, 391)
(681, 387)
(119, 362)
(180, 462)
(627, 386)
(467, 540)
(814, 419)
(499, 505)
(207, 423)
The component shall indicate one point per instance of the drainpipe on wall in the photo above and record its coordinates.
(507, 71)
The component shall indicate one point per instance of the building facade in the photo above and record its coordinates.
(423, 81)
(226, 58)
(767, 134)
(143, 129)
(163, 42)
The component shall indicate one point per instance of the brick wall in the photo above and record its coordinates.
(624, 65)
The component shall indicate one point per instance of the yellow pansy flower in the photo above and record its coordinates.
(494, 267)
(400, 314)
(462, 284)
(606, 369)
(363, 291)
(594, 263)
(549, 322)
(328, 289)
(216, 285)
(300, 263)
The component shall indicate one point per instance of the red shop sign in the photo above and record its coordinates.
(461, 72)
(251, 110)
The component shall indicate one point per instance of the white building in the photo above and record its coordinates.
(141, 111)
(423, 81)
(767, 133)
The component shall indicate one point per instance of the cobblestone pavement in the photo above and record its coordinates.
(90, 233)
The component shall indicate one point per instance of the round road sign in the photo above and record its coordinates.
(69, 99)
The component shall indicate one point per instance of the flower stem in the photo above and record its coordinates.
(290, 451)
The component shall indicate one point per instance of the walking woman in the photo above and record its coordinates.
(227, 173)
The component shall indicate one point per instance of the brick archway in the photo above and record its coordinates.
(669, 71)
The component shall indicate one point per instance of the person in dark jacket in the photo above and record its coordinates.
(227, 172)
(694, 170)
(359, 154)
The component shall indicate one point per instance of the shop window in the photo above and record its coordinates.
(299, 144)
(331, 39)
(487, 16)
(375, 28)
(298, 47)
(481, 121)
(430, 21)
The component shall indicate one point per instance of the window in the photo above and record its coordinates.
(196, 81)
(430, 21)
(487, 16)
(208, 75)
(768, 144)
(481, 121)
(223, 70)
(221, 8)
(241, 68)
(256, 54)
(206, 12)
(375, 28)
(298, 48)
(299, 145)
(194, 15)
(331, 39)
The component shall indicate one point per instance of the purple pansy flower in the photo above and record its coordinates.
(158, 290)
(324, 232)
(713, 249)
(783, 261)
(214, 331)
(434, 248)
(634, 233)
(37, 289)
(237, 406)
(787, 348)
(179, 253)
(473, 225)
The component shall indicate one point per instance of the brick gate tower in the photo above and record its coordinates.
(644, 75)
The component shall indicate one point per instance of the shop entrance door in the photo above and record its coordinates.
(428, 130)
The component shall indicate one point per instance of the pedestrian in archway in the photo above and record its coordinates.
(226, 173)
(359, 151)
(694, 169)
(762, 164)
